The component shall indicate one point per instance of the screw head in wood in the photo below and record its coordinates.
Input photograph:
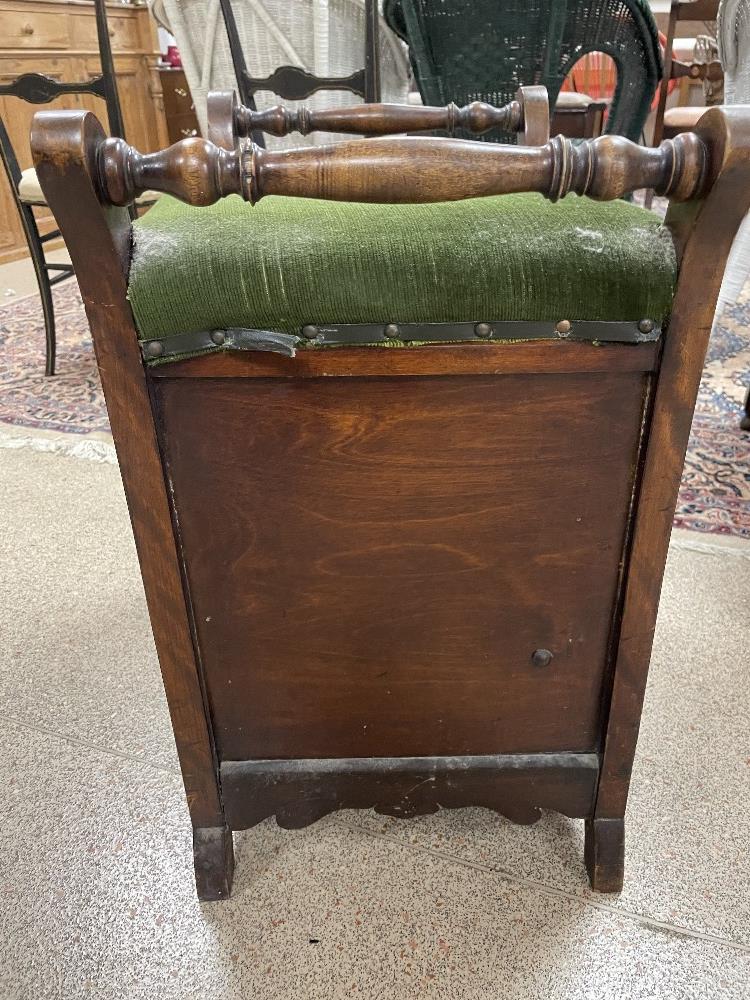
(483, 330)
(563, 327)
(391, 331)
(310, 332)
(218, 337)
(646, 325)
(154, 349)
(541, 657)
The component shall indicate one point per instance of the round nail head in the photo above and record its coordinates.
(391, 331)
(155, 349)
(310, 332)
(563, 327)
(646, 325)
(218, 337)
(541, 657)
(483, 330)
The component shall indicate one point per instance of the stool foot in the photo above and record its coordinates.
(213, 856)
(605, 854)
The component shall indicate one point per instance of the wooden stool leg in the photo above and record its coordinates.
(213, 856)
(605, 854)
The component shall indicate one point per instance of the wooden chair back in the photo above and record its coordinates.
(683, 10)
(293, 83)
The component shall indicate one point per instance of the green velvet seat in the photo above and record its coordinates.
(289, 262)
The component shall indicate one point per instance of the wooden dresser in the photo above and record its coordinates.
(58, 38)
(179, 110)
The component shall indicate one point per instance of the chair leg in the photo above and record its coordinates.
(213, 856)
(605, 853)
(45, 289)
(48, 308)
(745, 421)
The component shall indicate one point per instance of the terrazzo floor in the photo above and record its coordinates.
(96, 890)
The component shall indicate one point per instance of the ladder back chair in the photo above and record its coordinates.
(466, 50)
(294, 83)
(401, 473)
(670, 122)
(36, 88)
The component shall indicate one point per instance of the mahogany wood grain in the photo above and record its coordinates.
(533, 357)
(605, 168)
(229, 121)
(704, 231)
(323, 554)
(99, 249)
(397, 556)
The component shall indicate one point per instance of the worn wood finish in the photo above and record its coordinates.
(604, 853)
(321, 470)
(371, 567)
(704, 230)
(213, 855)
(229, 121)
(534, 357)
(198, 172)
(65, 161)
(300, 792)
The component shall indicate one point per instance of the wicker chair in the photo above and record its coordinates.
(465, 50)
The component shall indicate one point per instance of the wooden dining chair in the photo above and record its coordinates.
(401, 425)
(37, 88)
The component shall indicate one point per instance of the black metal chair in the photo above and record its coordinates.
(36, 88)
(293, 83)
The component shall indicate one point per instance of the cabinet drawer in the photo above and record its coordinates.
(33, 30)
(123, 33)
(182, 127)
(177, 97)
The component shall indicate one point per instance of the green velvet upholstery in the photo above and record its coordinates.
(287, 262)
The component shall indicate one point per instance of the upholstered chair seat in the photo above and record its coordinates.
(30, 190)
(288, 263)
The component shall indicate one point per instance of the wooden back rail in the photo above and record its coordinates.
(707, 176)
(528, 114)
(405, 169)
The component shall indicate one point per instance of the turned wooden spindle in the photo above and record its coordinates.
(405, 170)
(228, 120)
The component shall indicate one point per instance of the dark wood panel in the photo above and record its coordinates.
(541, 356)
(299, 792)
(372, 563)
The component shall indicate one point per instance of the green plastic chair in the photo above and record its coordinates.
(468, 50)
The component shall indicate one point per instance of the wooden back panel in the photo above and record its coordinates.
(372, 562)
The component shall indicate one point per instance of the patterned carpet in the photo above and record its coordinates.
(67, 412)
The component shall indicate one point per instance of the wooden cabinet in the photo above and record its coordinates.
(58, 38)
(179, 110)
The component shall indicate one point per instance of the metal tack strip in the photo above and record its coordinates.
(241, 339)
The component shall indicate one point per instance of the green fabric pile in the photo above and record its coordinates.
(288, 262)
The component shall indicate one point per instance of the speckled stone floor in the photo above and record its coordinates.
(96, 891)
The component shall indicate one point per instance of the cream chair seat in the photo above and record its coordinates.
(30, 191)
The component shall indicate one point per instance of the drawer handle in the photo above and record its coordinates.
(27, 29)
(188, 131)
(180, 91)
(541, 657)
